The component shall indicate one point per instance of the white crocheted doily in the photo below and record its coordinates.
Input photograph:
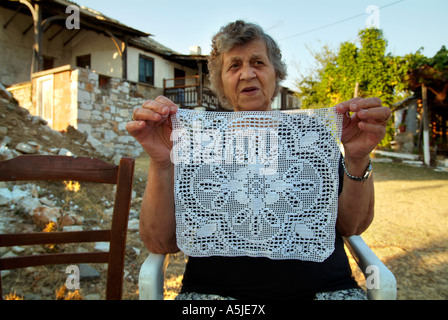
(261, 184)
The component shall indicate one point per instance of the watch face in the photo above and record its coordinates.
(368, 170)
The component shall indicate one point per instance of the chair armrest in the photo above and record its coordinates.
(380, 281)
(151, 277)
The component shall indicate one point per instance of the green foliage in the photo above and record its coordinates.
(361, 69)
(439, 62)
(312, 89)
(431, 71)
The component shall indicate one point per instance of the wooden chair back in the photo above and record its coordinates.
(81, 169)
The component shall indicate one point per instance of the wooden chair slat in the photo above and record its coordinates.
(81, 169)
(55, 258)
(26, 239)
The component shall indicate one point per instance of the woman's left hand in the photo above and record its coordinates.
(365, 129)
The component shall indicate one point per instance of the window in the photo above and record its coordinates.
(146, 70)
(179, 74)
(48, 62)
(83, 61)
(103, 82)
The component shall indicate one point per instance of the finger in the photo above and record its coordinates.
(145, 114)
(379, 115)
(134, 127)
(156, 106)
(344, 107)
(363, 104)
(377, 130)
(348, 119)
(164, 100)
(161, 105)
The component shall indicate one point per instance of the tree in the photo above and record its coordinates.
(433, 72)
(313, 91)
(428, 78)
(361, 69)
(365, 71)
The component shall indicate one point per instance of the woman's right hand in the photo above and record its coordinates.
(151, 127)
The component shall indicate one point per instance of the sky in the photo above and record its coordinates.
(298, 26)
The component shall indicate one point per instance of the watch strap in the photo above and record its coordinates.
(364, 177)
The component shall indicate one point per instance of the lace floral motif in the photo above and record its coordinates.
(256, 183)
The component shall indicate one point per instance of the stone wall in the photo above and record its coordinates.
(23, 94)
(103, 110)
(103, 113)
(97, 105)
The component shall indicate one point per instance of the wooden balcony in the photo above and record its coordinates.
(190, 93)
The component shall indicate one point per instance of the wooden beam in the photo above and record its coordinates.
(36, 13)
(12, 18)
(124, 58)
(122, 51)
(425, 116)
(46, 22)
(115, 41)
(38, 38)
(56, 33)
(201, 84)
(27, 29)
(444, 120)
(72, 37)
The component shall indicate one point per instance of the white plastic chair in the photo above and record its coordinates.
(383, 286)
(152, 276)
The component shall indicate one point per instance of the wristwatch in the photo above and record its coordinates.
(366, 175)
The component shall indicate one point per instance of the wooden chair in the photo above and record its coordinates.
(34, 168)
(152, 273)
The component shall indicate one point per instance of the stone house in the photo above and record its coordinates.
(72, 65)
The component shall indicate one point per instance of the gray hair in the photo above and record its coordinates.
(235, 34)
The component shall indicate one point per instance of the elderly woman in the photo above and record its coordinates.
(245, 70)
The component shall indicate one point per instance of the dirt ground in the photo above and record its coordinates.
(408, 234)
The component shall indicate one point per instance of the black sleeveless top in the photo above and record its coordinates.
(264, 278)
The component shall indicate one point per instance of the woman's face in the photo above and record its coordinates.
(248, 77)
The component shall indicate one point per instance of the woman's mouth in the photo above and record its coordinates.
(249, 90)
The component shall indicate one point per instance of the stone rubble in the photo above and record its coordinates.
(22, 134)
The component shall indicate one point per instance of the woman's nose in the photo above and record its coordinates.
(247, 73)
